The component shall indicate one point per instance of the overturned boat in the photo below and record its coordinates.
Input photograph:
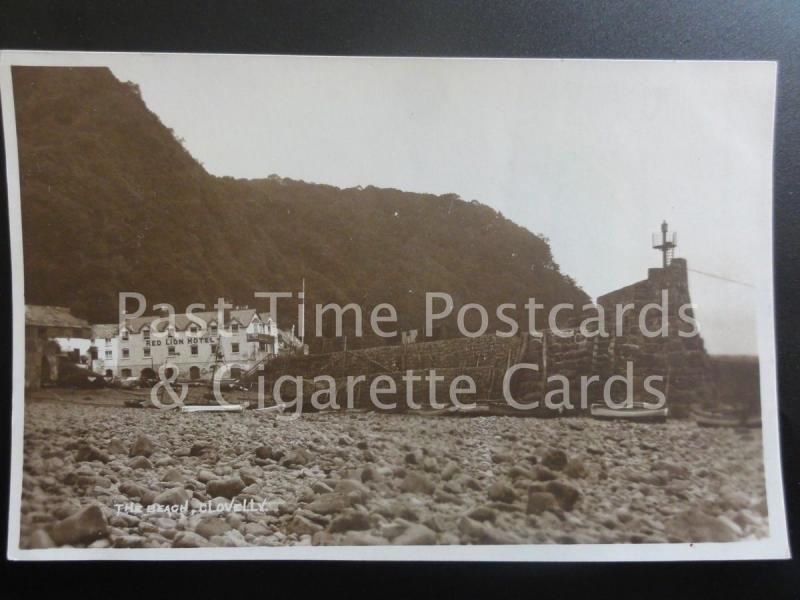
(637, 411)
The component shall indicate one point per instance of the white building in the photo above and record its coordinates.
(196, 347)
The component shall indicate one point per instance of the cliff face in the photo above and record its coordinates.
(111, 202)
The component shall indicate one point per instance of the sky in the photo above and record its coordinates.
(591, 154)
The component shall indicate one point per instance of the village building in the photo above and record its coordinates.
(49, 332)
(200, 348)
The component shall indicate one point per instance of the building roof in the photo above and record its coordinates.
(288, 338)
(52, 316)
(243, 316)
(105, 330)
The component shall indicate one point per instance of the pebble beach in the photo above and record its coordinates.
(101, 475)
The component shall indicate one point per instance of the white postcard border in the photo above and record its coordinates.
(776, 546)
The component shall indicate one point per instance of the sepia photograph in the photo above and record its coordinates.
(282, 307)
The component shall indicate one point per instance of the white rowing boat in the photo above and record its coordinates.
(212, 408)
(636, 412)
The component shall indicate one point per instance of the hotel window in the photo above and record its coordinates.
(193, 328)
(146, 333)
(214, 349)
(125, 334)
(108, 341)
(108, 354)
(194, 350)
(234, 347)
(234, 328)
(171, 350)
(126, 353)
(146, 352)
(171, 332)
(213, 329)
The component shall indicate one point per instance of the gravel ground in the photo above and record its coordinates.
(109, 476)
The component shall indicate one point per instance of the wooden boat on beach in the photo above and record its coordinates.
(707, 418)
(637, 411)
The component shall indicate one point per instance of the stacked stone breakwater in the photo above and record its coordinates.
(652, 345)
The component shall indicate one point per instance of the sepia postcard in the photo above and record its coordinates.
(294, 307)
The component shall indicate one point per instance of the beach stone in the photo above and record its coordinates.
(40, 539)
(692, 525)
(538, 502)
(565, 494)
(204, 476)
(200, 448)
(575, 469)
(269, 453)
(416, 482)
(143, 446)
(555, 459)
(673, 469)
(450, 470)
(734, 499)
(255, 529)
(190, 539)
(369, 473)
(296, 458)
(501, 492)
(348, 521)
(347, 486)
(226, 488)
(413, 458)
(300, 525)
(416, 535)
(173, 475)
(140, 462)
(517, 472)
(251, 475)
(470, 528)
(132, 490)
(85, 526)
(483, 513)
(501, 457)
(90, 453)
(363, 538)
(171, 497)
(333, 502)
(320, 487)
(210, 527)
(542, 473)
(115, 446)
(130, 541)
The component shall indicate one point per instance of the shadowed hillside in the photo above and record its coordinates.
(111, 202)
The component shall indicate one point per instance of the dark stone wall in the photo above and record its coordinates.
(682, 362)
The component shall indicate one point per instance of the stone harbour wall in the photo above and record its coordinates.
(681, 363)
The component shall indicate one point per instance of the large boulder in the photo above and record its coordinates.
(83, 527)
